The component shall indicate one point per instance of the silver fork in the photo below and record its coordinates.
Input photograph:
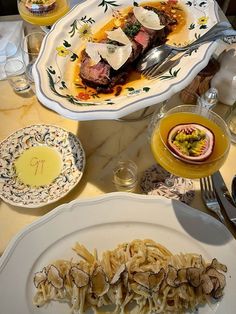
(157, 70)
(209, 197)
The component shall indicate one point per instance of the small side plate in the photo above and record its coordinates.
(16, 193)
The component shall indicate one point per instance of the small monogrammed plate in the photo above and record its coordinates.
(65, 144)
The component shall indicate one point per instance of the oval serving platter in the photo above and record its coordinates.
(68, 147)
(55, 69)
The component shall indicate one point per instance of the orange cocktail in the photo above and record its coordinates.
(46, 13)
(214, 147)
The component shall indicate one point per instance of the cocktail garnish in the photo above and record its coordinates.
(192, 142)
(40, 6)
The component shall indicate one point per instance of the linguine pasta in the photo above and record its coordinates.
(142, 275)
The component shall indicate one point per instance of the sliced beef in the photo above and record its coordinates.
(148, 37)
(143, 38)
(94, 75)
(101, 75)
(136, 52)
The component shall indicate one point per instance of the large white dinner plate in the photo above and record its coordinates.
(55, 68)
(104, 222)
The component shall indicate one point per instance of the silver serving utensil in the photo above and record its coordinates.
(160, 53)
(171, 61)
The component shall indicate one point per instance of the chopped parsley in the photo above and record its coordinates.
(132, 29)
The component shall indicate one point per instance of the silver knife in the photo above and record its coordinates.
(224, 196)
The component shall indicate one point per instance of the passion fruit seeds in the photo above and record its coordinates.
(192, 142)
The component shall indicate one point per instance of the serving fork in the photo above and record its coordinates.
(209, 197)
(174, 57)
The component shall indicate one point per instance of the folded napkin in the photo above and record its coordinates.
(10, 37)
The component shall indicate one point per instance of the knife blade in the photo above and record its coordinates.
(224, 196)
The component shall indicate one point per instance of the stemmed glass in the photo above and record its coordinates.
(210, 143)
(42, 12)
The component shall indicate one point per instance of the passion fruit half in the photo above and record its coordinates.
(192, 142)
(39, 7)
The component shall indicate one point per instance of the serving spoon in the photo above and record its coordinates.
(160, 53)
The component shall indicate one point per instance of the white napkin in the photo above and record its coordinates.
(10, 38)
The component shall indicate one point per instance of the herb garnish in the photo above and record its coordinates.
(132, 29)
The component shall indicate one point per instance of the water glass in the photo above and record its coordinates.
(15, 73)
(31, 45)
(125, 176)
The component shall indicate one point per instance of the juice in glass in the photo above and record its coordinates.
(177, 166)
(46, 18)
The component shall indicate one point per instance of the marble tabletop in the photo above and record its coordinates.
(104, 141)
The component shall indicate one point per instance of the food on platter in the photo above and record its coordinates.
(109, 58)
(141, 273)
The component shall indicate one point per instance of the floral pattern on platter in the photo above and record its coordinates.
(61, 91)
(68, 146)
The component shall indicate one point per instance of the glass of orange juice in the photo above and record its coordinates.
(190, 141)
(43, 12)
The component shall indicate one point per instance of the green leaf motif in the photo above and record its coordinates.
(50, 70)
(63, 84)
(73, 57)
(66, 44)
(70, 98)
(191, 26)
(51, 82)
(203, 26)
(135, 4)
(171, 75)
(192, 51)
(146, 89)
(130, 89)
(73, 28)
(202, 3)
(108, 3)
(89, 20)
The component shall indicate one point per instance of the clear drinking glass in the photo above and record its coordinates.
(15, 73)
(125, 176)
(30, 46)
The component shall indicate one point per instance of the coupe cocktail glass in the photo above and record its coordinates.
(42, 12)
(190, 115)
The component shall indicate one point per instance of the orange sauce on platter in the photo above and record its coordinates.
(134, 79)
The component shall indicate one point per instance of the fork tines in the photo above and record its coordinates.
(152, 73)
(209, 197)
(207, 188)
